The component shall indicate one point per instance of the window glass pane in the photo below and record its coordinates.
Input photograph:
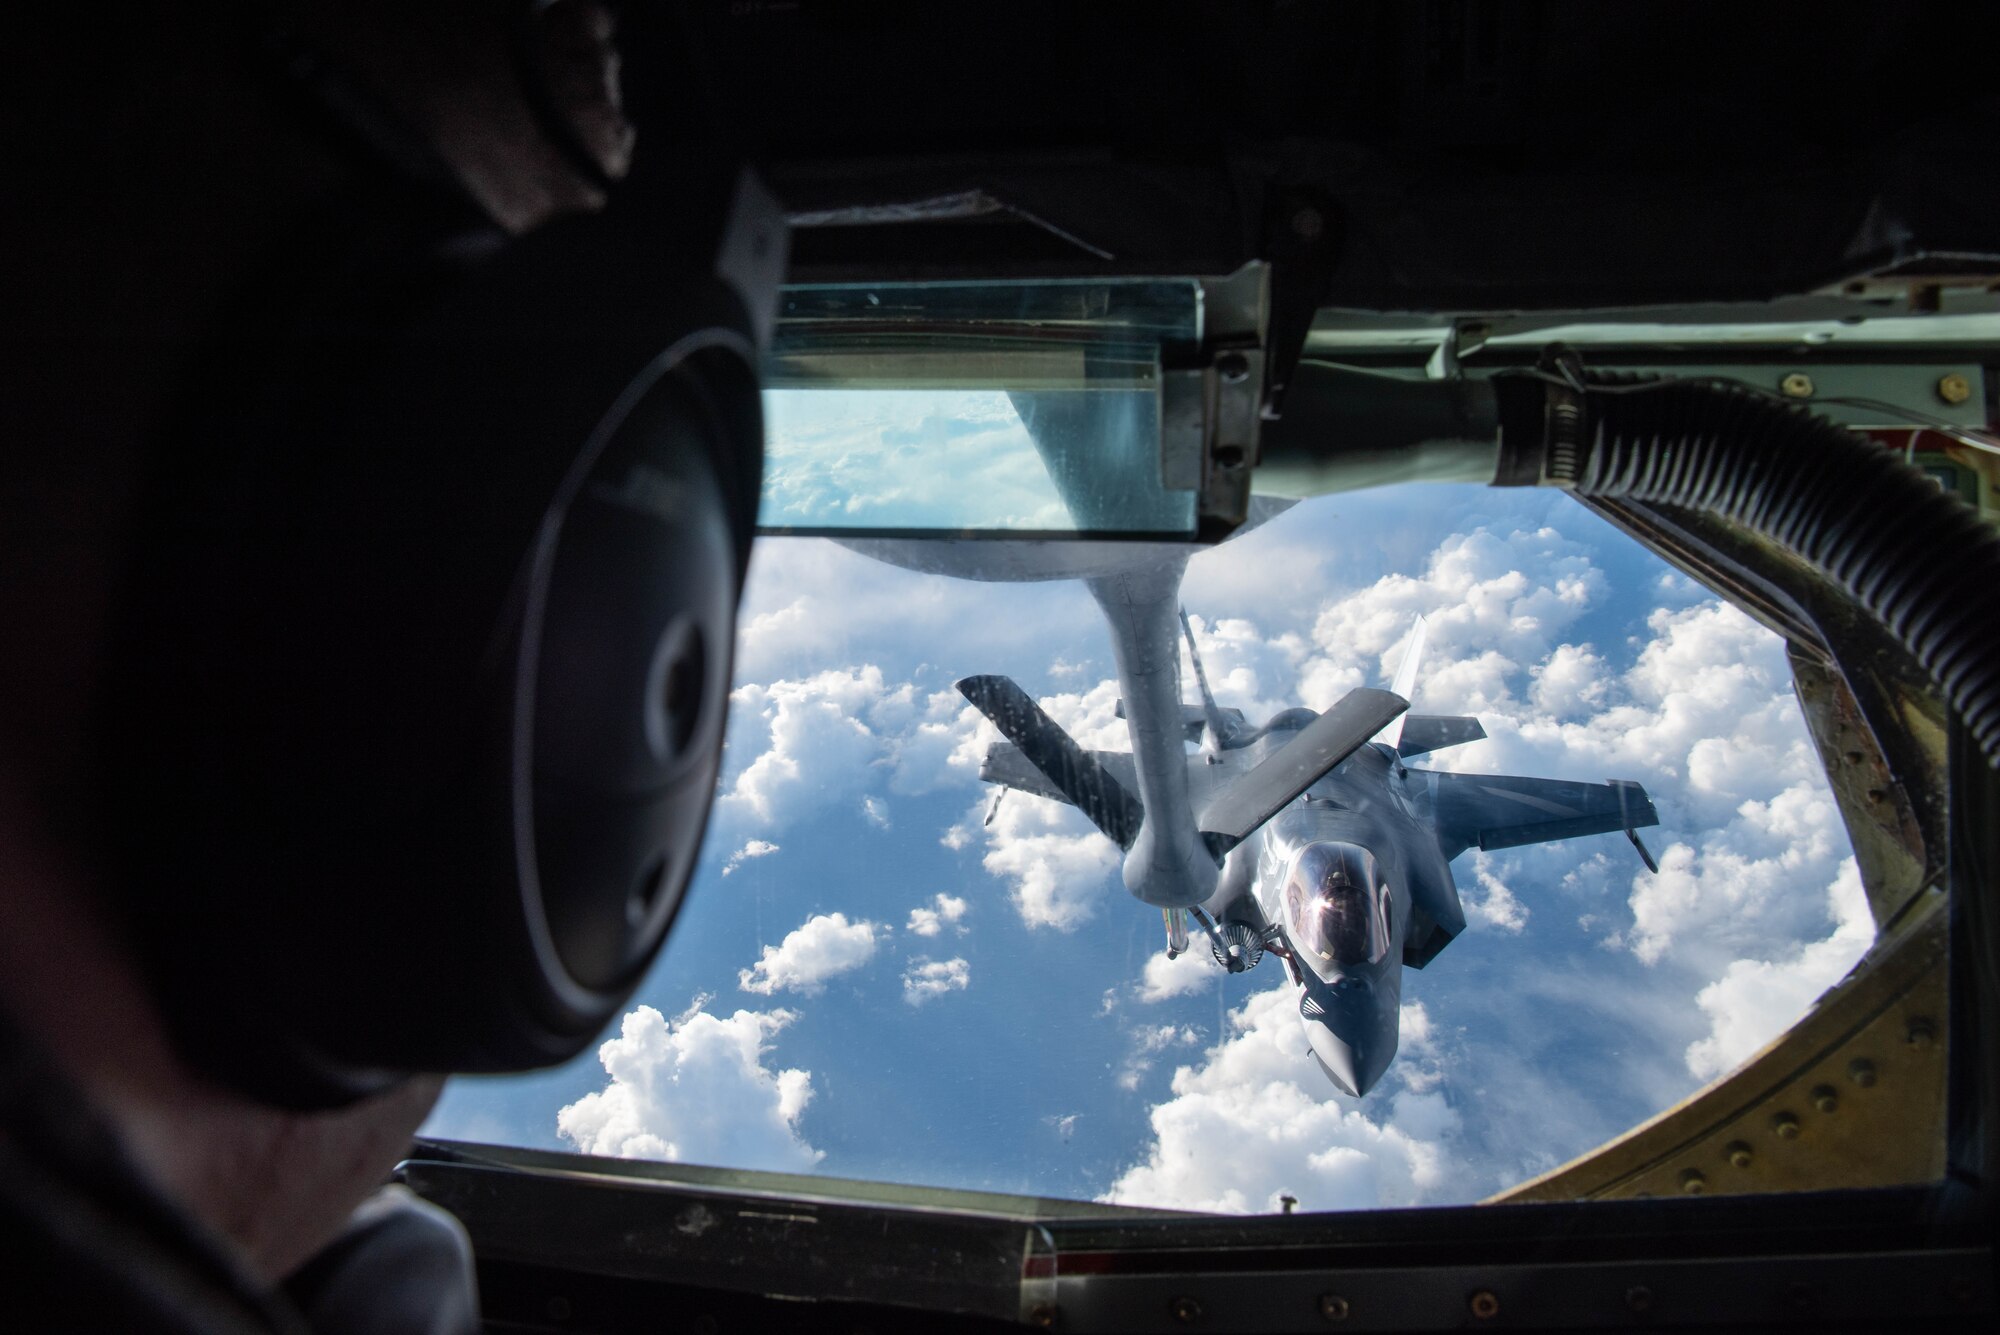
(880, 974)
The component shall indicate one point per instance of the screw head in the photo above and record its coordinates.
(1739, 1154)
(1334, 1307)
(1797, 385)
(1485, 1304)
(1786, 1125)
(1186, 1310)
(1921, 1034)
(1694, 1181)
(1954, 388)
(1862, 1072)
(1826, 1098)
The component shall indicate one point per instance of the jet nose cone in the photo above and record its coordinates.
(1341, 1064)
(1352, 1032)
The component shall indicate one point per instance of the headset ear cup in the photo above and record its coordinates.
(630, 688)
(411, 607)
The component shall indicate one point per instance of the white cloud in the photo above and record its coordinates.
(826, 946)
(927, 979)
(944, 910)
(1256, 1120)
(800, 746)
(1058, 868)
(696, 1090)
(1755, 1000)
(812, 740)
(756, 848)
(1147, 1043)
(1193, 970)
(1495, 905)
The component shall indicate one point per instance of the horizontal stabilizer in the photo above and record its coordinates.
(1073, 773)
(1329, 739)
(1424, 733)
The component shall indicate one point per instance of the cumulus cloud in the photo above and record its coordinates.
(800, 746)
(1147, 1043)
(943, 911)
(1192, 970)
(1255, 1121)
(1756, 999)
(928, 979)
(811, 740)
(696, 1090)
(1493, 904)
(826, 946)
(1057, 867)
(756, 848)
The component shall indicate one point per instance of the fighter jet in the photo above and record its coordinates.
(1309, 837)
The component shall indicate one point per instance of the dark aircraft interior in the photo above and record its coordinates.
(1330, 177)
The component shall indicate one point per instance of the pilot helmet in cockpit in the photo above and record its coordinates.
(1337, 905)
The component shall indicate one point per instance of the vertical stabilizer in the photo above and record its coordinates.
(1405, 683)
(1218, 727)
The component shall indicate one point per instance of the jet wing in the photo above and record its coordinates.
(1233, 813)
(1490, 811)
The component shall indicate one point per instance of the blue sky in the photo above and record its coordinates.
(867, 981)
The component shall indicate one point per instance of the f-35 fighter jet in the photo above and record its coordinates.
(1309, 838)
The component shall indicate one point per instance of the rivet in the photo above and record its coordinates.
(1855, 757)
(1862, 1072)
(1186, 1310)
(1334, 1307)
(1694, 1181)
(1638, 1298)
(1877, 795)
(1786, 1125)
(1921, 1034)
(1233, 367)
(1043, 1315)
(1308, 223)
(1954, 388)
(1739, 1154)
(1797, 385)
(1485, 1304)
(1228, 456)
(1825, 1098)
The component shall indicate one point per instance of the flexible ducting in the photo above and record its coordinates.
(1920, 561)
